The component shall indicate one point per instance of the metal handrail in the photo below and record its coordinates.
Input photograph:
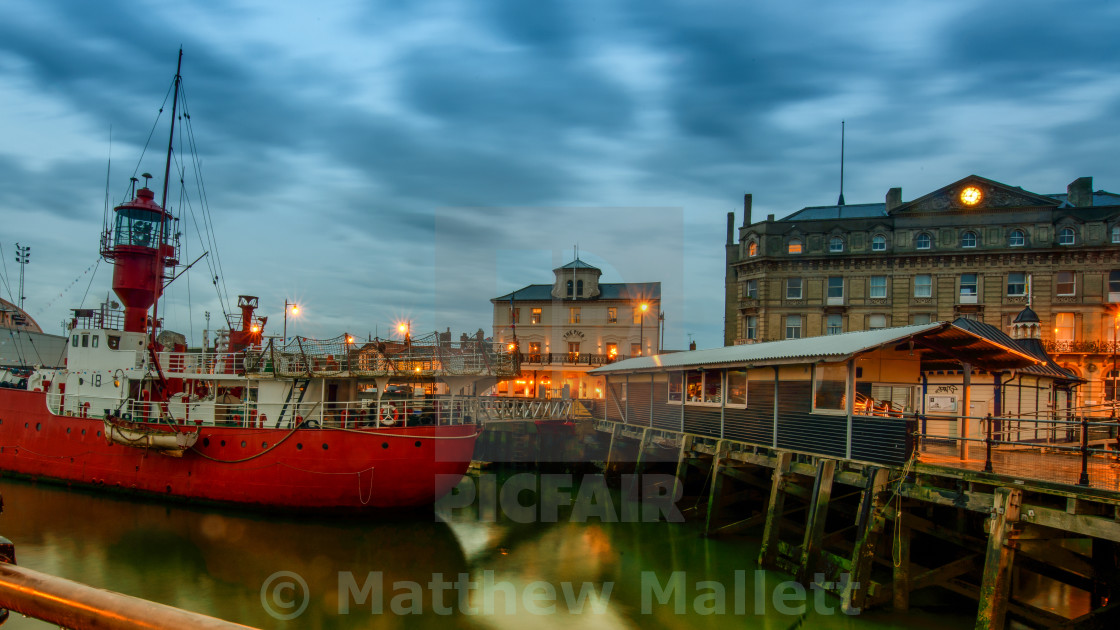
(70, 604)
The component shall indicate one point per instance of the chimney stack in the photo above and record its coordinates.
(730, 228)
(1080, 192)
(769, 217)
(748, 200)
(894, 198)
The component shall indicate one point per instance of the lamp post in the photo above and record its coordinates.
(404, 328)
(644, 306)
(295, 313)
(23, 256)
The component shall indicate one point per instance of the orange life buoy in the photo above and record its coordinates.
(389, 414)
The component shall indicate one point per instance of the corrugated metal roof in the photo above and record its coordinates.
(808, 348)
(853, 211)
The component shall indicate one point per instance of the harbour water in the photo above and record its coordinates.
(251, 568)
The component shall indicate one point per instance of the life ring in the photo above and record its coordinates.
(261, 419)
(389, 414)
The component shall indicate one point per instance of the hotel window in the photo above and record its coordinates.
(535, 316)
(923, 241)
(835, 324)
(1017, 238)
(515, 316)
(1114, 285)
(579, 287)
(569, 288)
(968, 239)
(835, 244)
(1066, 236)
(638, 315)
(968, 285)
(921, 318)
(534, 347)
(878, 287)
(752, 289)
(836, 287)
(573, 350)
(573, 315)
(612, 350)
(676, 386)
(737, 387)
(793, 326)
(752, 327)
(635, 349)
(830, 385)
(1016, 284)
(878, 243)
(1063, 327)
(793, 288)
(612, 315)
(1067, 283)
(1116, 234)
(795, 246)
(923, 286)
(752, 249)
(876, 321)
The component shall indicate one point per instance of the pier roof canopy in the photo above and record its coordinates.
(939, 345)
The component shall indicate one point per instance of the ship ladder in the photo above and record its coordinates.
(297, 384)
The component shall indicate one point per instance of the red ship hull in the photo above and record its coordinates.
(316, 470)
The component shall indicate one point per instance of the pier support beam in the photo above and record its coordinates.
(995, 587)
(715, 497)
(682, 465)
(901, 590)
(634, 483)
(869, 525)
(610, 449)
(768, 556)
(815, 520)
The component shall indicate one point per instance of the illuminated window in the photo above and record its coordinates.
(1017, 238)
(1063, 327)
(878, 243)
(1016, 283)
(830, 384)
(573, 315)
(836, 244)
(793, 326)
(968, 239)
(1067, 283)
(923, 241)
(878, 287)
(676, 386)
(612, 349)
(795, 246)
(635, 349)
(793, 288)
(535, 316)
(923, 286)
(534, 347)
(612, 315)
(752, 249)
(737, 387)
(573, 350)
(1066, 236)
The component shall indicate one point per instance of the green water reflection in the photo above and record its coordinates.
(216, 562)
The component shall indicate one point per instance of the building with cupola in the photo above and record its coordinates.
(975, 248)
(564, 329)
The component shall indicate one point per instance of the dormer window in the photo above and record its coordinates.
(968, 239)
(569, 288)
(579, 288)
(923, 241)
(1066, 236)
(752, 249)
(836, 245)
(1017, 238)
(795, 246)
(878, 243)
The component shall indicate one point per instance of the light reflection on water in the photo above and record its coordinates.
(215, 562)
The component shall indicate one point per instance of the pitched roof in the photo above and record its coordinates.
(853, 211)
(577, 264)
(607, 291)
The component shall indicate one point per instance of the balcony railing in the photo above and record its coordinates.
(570, 358)
(1083, 346)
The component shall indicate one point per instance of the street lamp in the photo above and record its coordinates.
(404, 327)
(295, 313)
(644, 306)
(23, 256)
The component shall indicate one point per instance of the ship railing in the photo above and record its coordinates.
(193, 363)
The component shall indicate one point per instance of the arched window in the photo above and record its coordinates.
(1066, 236)
(878, 243)
(569, 288)
(579, 288)
(836, 244)
(968, 239)
(923, 241)
(1017, 238)
(752, 249)
(795, 246)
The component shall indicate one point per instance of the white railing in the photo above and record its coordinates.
(493, 409)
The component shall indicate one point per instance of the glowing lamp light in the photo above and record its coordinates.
(510, 347)
(255, 328)
(645, 307)
(295, 309)
(349, 339)
(971, 196)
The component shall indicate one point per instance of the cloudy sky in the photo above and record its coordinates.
(382, 160)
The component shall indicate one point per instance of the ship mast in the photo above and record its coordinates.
(158, 261)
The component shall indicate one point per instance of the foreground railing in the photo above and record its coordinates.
(493, 409)
(69, 604)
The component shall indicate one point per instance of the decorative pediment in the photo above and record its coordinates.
(971, 194)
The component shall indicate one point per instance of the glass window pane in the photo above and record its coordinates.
(1067, 283)
(713, 387)
(736, 387)
(829, 387)
(676, 381)
(923, 285)
(694, 386)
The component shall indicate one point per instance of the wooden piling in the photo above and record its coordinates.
(901, 557)
(768, 555)
(682, 464)
(869, 525)
(715, 497)
(995, 586)
(815, 520)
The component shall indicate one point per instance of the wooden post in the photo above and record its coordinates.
(902, 567)
(869, 525)
(610, 450)
(995, 586)
(682, 464)
(962, 424)
(768, 556)
(716, 494)
(815, 520)
(638, 461)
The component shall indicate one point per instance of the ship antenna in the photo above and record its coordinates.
(133, 180)
(841, 201)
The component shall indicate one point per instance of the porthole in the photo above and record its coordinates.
(98, 434)
(206, 441)
(417, 443)
(67, 430)
(384, 445)
(26, 425)
(325, 447)
(243, 444)
(264, 444)
(299, 446)
(222, 443)
(83, 431)
(38, 425)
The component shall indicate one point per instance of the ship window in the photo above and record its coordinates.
(85, 341)
(137, 227)
(74, 342)
(95, 338)
(114, 342)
